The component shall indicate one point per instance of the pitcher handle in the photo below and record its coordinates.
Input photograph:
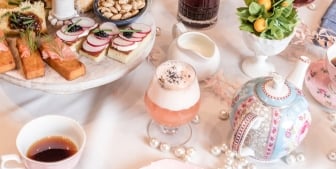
(249, 121)
(178, 29)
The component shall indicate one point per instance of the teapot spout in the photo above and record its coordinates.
(296, 77)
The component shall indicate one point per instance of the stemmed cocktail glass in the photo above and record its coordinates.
(172, 100)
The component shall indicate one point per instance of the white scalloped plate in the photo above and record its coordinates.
(97, 74)
(170, 164)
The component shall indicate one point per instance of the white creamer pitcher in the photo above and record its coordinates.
(195, 48)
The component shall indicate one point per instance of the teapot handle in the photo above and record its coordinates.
(178, 29)
(250, 120)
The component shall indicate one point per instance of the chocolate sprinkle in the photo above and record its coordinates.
(173, 75)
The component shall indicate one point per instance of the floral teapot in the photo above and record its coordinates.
(270, 115)
(195, 48)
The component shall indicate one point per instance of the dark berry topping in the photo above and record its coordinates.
(101, 33)
(74, 28)
(128, 34)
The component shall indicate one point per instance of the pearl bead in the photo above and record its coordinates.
(158, 31)
(226, 166)
(230, 153)
(196, 119)
(237, 165)
(290, 159)
(332, 117)
(333, 127)
(153, 142)
(312, 6)
(223, 115)
(229, 160)
(186, 158)
(190, 151)
(179, 152)
(215, 151)
(164, 147)
(53, 21)
(332, 156)
(251, 166)
(300, 157)
(224, 147)
(243, 161)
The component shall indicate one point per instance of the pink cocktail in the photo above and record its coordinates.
(172, 100)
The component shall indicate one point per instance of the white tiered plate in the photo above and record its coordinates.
(97, 74)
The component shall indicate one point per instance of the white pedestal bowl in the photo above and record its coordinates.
(258, 65)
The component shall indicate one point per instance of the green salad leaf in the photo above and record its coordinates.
(280, 20)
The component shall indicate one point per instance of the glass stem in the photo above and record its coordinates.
(169, 130)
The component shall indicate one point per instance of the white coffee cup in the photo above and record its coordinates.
(42, 128)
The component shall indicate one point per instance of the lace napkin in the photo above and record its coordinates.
(329, 18)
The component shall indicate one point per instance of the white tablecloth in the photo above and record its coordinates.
(114, 115)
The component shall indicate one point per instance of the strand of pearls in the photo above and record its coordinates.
(232, 160)
(332, 154)
(294, 158)
(182, 152)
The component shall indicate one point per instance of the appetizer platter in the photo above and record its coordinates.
(78, 53)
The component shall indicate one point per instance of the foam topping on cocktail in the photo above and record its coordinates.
(175, 75)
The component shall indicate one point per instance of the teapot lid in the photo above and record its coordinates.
(275, 91)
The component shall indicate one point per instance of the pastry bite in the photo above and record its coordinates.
(83, 6)
(96, 43)
(7, 61)
(61, 58)
(15, 3)
(130, 42)
(31, 63)
(25, 16)
(75, 32)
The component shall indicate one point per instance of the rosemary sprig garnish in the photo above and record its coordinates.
(12, 2)
(98, 30)
(5, 14)
(29, 21)
(72, 25)
(25, 8)
(30, 38)
(129, 30)
(14, 17)
(53, 45)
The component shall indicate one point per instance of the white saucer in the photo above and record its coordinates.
(317, 81)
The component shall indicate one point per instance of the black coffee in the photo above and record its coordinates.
(51, 149)
(333, 61)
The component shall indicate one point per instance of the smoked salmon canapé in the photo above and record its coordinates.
(59, 56)
(7, 61)
(31, 63)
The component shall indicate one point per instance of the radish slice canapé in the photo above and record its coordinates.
(122, 42)
(85, 22)
(110, 28)
(94, 41)
(143, 28)
(65, 30)
(133, 39)
(90, 48)
(66, 37)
